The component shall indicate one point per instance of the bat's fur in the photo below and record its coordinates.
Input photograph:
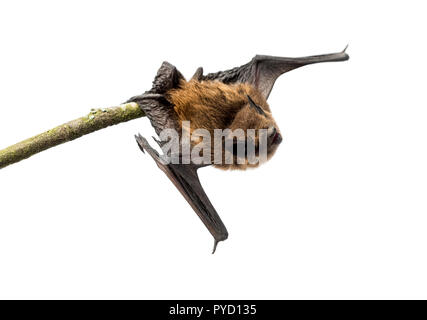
(214, 105)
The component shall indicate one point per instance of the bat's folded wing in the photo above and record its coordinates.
(186, 180)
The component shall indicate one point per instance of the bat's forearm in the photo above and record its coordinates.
(96, 120)
(302, 61)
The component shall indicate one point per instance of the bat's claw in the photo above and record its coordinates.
(345, 49)
(215, 245)
(140, 143)
(145, 146)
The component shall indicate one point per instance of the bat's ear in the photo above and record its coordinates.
(198, 75)
(255, 106)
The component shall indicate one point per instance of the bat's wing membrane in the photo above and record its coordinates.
(262, 71)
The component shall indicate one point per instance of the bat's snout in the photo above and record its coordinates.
(274, 135)
(277, 139)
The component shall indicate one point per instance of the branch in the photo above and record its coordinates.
(96, 120)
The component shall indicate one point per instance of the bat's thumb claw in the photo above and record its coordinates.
(215, 245)
(138, 139)
(345, 49)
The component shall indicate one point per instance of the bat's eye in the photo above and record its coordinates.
(255, 106)
(271, 131)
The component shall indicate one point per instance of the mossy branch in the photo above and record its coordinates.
(96, 120)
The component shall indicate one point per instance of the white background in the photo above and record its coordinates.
(339, 212)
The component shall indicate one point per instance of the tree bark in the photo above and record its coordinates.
(96, 120)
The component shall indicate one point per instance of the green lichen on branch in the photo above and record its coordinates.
(96, 120)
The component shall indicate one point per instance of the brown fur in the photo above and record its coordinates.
(214, 105)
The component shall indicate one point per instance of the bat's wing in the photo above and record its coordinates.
(262, 71)
(186, 180)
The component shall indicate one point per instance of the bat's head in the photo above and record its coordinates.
(254, 135)
(231, 125)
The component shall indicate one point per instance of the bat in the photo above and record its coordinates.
(234, 99)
